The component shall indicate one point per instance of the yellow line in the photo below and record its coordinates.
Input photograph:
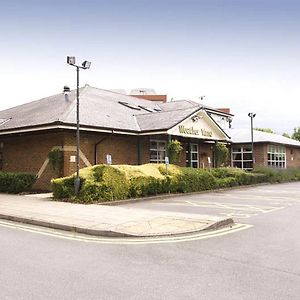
(125, 241)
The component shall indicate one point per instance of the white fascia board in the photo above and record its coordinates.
(153, 133)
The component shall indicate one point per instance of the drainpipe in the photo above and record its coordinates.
(139, 151)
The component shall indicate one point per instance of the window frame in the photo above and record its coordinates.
(160, 153)
(242, 150)
(276, 155)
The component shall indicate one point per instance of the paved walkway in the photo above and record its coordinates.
(103, 220)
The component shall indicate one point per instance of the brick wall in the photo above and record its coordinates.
(293, 157)
(261, 154)
(27, 153)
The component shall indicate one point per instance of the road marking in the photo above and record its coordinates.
(243, 197)
(233, 206)
(239, 215)
(126, 241)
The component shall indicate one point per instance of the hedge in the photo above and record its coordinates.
(16, 182)
(106, 183)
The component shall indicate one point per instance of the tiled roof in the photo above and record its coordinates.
(164, 119)
(100, 109)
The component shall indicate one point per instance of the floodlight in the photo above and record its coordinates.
(71, 60)
(86, 64)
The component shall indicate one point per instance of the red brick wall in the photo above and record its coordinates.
(27, 153)
(261, 154)
(293, 157)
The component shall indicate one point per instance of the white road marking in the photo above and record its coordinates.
(126, 241)
(233, 206)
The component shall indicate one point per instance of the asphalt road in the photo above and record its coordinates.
(261, 262)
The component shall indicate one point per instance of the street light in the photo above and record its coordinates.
(252, 116)
(85, 65)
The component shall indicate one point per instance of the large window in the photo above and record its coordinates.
(192, 156)
(276, 156)
(242, 157)
(157, 151)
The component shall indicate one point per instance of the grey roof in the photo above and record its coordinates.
(164, 119)
(102, 109)
(99, 108)
(244, 136)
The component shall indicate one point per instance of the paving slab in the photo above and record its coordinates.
(103, 220)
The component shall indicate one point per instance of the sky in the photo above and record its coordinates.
(243, 54)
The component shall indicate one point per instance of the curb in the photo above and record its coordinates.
(111, 233)
(164, 196)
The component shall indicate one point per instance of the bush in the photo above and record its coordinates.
(278, 175)
(194, 180)
(16, 182)
(226, 182)
(64, 187)
(99, 183)
(145, 186)
(107, 183)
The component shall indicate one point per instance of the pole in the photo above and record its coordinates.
(252, 144)
(77, 180)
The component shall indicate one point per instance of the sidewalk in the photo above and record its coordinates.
(103, 220)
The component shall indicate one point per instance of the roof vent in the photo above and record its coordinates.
(66, 92)
(66, 89)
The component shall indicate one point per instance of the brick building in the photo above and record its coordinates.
(130, 130)
(270, 150)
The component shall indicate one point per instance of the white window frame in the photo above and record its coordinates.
(191, 156)
(278, 156)
(242, 160)
(160, 153)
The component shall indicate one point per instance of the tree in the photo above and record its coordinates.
(221, 155)
(296, 134)
(269, 130)
(286, 135)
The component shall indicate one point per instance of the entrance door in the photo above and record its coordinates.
(192, 156)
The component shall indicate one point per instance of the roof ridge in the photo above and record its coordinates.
(136, 122)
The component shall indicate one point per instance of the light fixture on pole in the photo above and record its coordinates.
(252, 116)
(85, 65)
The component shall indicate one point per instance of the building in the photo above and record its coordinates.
(114, 127)
(270, 150)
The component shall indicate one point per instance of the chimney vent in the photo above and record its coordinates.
(66, 89)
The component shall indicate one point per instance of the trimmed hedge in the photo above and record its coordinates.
(106, 183)
(14, 183)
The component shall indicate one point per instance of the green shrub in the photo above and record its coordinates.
(107, 183)
(101, 183)
(226, 182)
(16, 182)
(193, 180)
(278, 175)
(146, 186)
(64, 187)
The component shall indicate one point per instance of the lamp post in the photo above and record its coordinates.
(252, 116)
(85, 65)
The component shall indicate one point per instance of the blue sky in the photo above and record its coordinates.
(239, 54)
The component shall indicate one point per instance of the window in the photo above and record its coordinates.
(157, 151)
(193, 156)
(242, 157)
(132, 106)
(276, 156)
